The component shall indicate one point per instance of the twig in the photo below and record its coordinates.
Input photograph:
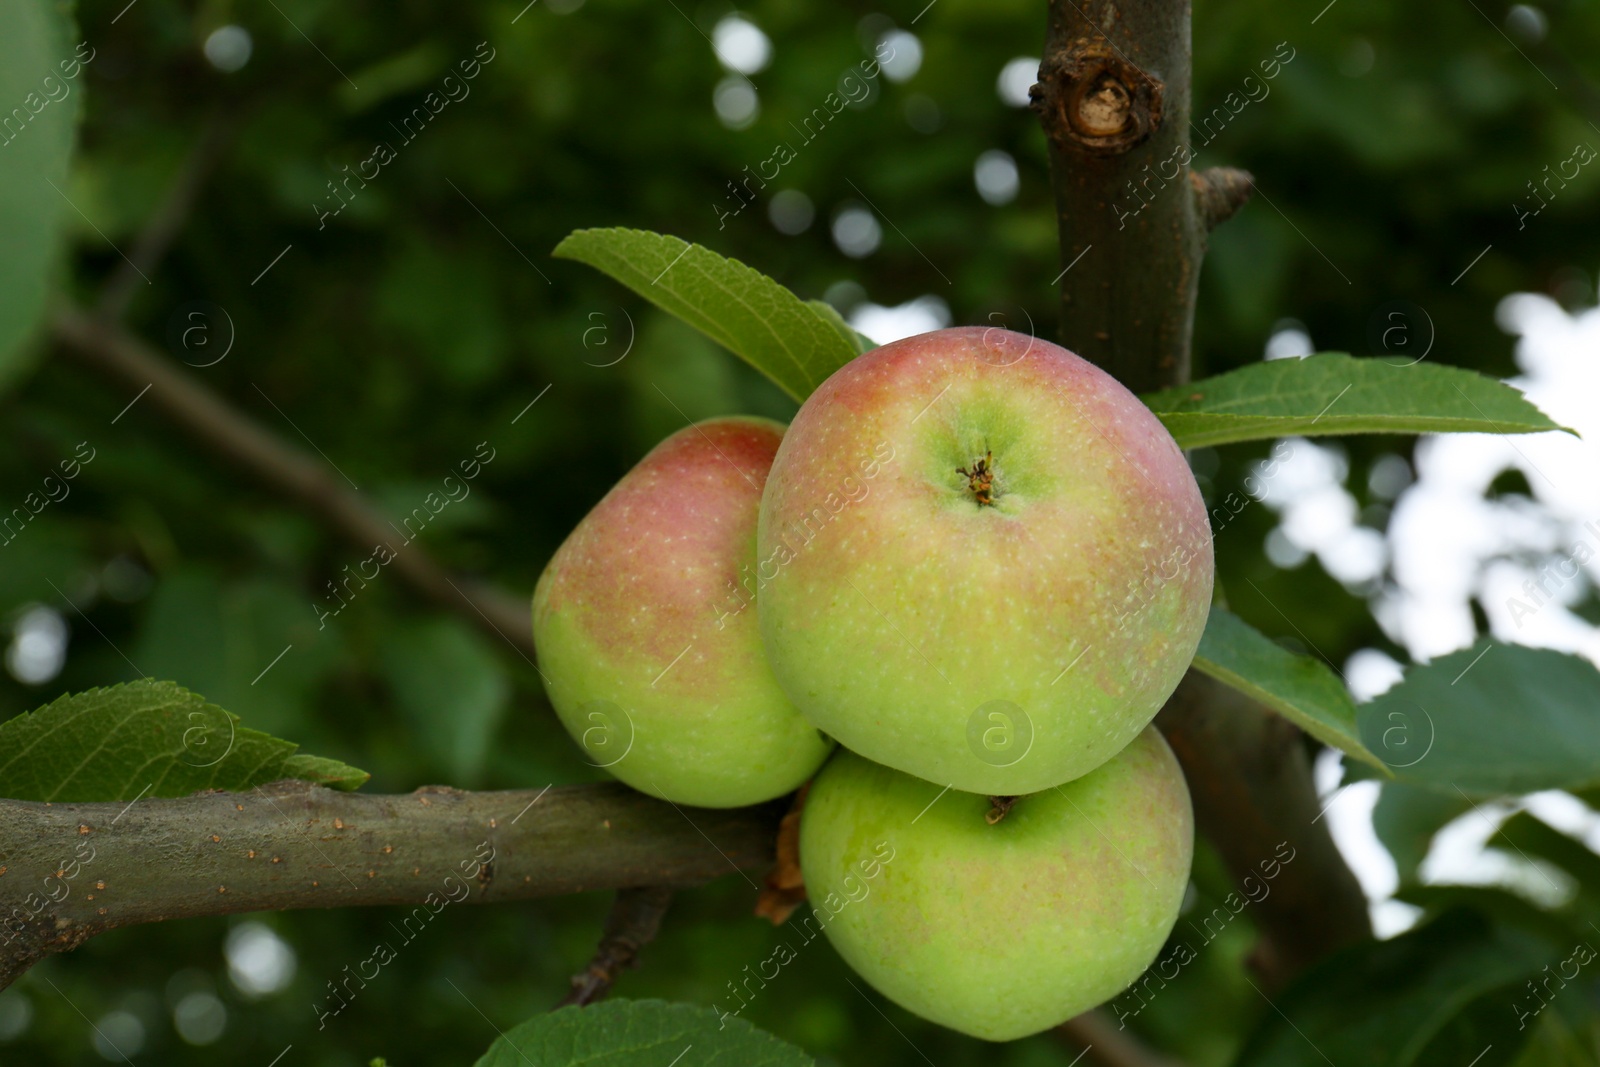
(1107, 1045)
(1220, 193)
(169, 218)
(232, 435)
(632, 924)
(72, 871)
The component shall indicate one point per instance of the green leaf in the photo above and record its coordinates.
(145, 738)
(229, 639)
(1444, 993)
(1503, 907)
(1300, 688)
(452, 689)
(323, 771)
(35, 148)
(1491, 719)
(1334, 393)
(859, 341)
(639, 1033)
(787, 339)
(1531, 837)
(1564, 1035)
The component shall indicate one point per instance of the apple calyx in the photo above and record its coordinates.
(998, 807)
(980, 479)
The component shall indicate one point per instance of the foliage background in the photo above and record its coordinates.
(1389, 152)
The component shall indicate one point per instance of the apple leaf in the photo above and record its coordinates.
(794, 342)
(639, 1033)
(36, 148)
(1334, 393)
(859, 341)
(1499, 905)
(146, 738)
(335, 774)
(1531, 836)
(1300, 688)
(451, 688)
(1451, 991)
(1489, 720)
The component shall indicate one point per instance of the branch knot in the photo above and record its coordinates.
(1090, 97)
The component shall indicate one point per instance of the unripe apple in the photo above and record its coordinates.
(999, 930)
(982, 561)
(647, 636)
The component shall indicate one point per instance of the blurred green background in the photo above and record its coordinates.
(423, 318)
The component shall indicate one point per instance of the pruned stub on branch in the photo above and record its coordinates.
(1090, 97)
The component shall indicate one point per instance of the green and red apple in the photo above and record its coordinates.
(981, 561)
(647, 633)
(1004, 929)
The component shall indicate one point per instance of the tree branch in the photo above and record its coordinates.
(232, 435)
(71, 871)
(1113, 97)
(632, 924)
(1252, 790)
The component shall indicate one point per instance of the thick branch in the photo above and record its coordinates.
(1252, 790)
(632, 924)
(230, 434)
(1113, 96)
(71, 871)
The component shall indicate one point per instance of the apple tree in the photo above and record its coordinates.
(344, 606)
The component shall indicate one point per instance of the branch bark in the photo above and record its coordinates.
(1113, 97)
(227, 432)
(71, 871)
(1251, 783)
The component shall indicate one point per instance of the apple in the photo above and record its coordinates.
(647, 636)
(982, 561)
(999, 930)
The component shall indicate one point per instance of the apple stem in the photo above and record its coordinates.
(980, 479)
(998, 807)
